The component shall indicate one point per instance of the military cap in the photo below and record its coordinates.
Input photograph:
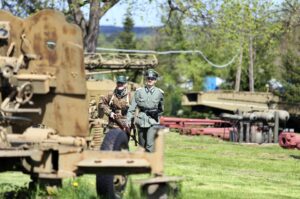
(121, 79)
(151, 73)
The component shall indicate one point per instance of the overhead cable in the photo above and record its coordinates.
(170, 52)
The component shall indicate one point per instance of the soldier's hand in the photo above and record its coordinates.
(112, 115)
(118, 115)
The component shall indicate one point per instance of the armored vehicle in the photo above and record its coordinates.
(44, 123)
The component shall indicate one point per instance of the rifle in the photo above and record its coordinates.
(134, 134)
(127, 130)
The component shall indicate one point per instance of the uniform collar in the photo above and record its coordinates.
(151, 90)
(121, 94)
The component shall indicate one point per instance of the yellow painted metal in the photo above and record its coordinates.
(232, 101)
(54, 66)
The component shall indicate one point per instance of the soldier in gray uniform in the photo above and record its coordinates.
(149, 100)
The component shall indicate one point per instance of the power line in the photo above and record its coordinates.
(171, 52)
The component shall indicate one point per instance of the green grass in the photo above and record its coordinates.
(217, 169)
(211, 168)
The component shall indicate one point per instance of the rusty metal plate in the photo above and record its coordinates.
(58, 44)
(54, 49)
(16, 28)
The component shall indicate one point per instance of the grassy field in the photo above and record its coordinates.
(212, 169)
(217, 169)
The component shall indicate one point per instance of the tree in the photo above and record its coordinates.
(251, 26)
(290, 50)
(126, 39)
(196, 33)
(291, 63)
(89, 27)
(221, 29)
(171, 36)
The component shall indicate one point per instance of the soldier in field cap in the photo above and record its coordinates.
(149, 100)
(115, 105)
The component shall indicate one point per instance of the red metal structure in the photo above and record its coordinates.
(220, 132)
(189, 126)
(175, 122)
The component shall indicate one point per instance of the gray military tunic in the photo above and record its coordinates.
(150, 105)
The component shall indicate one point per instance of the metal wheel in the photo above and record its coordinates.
(112, 186)
(156, 191)
(25, 93)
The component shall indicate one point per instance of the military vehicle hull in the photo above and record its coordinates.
(231, 101)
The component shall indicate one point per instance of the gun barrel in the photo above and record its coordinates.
(231, 116)
(267, 115)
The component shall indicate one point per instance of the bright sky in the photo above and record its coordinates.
(144, 13)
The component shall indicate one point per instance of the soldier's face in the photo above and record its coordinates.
(121, 86)
(151, 81)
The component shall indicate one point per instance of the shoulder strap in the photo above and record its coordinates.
(161, 91)
(111, 99)
(127, 98)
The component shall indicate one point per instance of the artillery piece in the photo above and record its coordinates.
(257, 126)
(44, 124)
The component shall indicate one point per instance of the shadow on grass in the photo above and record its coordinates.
(9, 191)
(295, 157)
(73, 188)
(76, 188)
(172, 191)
